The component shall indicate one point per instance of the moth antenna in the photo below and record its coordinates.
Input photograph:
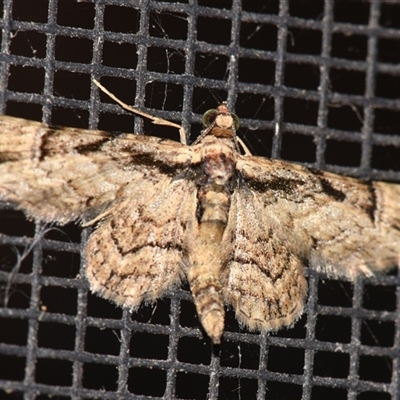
(155, 120)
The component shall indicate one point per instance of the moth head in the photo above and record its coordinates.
(210, 116)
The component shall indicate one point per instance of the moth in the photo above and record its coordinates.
(239, 228)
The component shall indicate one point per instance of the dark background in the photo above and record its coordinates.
(315, 82)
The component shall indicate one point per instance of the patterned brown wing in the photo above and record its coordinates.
(137, 253)
(263, 278)
(60, 174)
(344, 226)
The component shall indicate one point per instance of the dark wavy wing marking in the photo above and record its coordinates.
(263, 279)
(344, 226)
(137, 253)
(59, 174)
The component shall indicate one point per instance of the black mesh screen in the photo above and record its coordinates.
(314, 81)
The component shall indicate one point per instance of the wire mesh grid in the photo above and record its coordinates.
(315, 82)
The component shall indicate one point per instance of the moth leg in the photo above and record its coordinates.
(246, 150)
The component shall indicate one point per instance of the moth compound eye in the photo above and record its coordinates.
(236, 121)
(209, 117)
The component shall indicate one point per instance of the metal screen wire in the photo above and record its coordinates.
(315, 82)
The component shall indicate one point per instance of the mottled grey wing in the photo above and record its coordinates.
(344, 226)
(62, 174)
(137, 252)
(263, 279)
